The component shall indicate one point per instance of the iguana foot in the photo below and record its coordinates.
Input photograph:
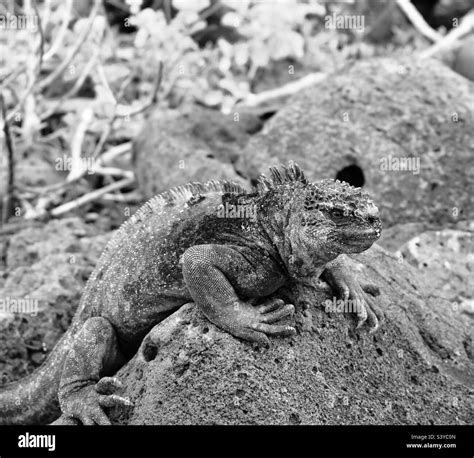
(343, 281)
(86, 403)
(366, 307)
(255, 323)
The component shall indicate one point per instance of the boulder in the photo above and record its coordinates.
(195, 144)
(464, 60)
(395, 236)
(445, 260)
(400, 128)
(417, 369)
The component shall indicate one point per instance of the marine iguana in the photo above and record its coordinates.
(217, 244)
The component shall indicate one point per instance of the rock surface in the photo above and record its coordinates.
(35, 158)
(360, 124)
(464, 61)
(49, 265)
(198, 144)
(445, 260)
(417, 369)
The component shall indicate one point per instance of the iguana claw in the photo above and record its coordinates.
(256, 323)
(349, 289)
(86, 404)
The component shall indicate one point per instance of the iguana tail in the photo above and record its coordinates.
(34, 399)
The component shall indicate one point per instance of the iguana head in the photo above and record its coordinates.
(322, 220)
(343, 216)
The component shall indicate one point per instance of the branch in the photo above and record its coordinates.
(62, 32)
(253, 100)
(32, 70)
(449, 40)
(80, 41)
(77, 86)
(46, 14)
(77, 168)
(7, 79)
(130, 197)
(113, 171)
(152, 99)
(91, 196)
(17, 226)
(41, 42)
(8, 199)
(105, 83)
(418, 21)
(106, 158)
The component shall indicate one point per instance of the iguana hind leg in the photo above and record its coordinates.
(217, 275)
(86, 388)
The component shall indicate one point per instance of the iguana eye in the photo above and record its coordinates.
(337, 213)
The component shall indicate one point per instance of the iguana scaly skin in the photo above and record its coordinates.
(216, 244)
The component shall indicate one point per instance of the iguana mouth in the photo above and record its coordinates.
(369, 235)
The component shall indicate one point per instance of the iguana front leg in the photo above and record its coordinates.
(85, 390)
(340, 276)
(217, 276)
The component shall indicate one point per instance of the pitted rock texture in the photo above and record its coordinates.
(417, 369)
(49, 265)
(381, 110)
(445, 258)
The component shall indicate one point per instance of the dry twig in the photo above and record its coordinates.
(77, 168)
(153, 99)
(41, 40)
(33, 70)
(418, 21)
(449, 40)
(253, 100)
(8, 199)
(75, 49)
(91, 197)
(105, 159)
(130, 197)
(58, 42)
(77, 85)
